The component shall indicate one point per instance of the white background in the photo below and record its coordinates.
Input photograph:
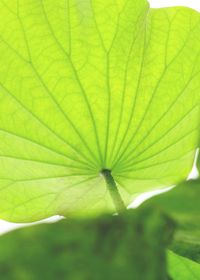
(195, 4)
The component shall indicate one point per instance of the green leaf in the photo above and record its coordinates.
(187, 249)
(129, 246)
(91, 85)
(198, 159)
(182, 204)
(181, 268)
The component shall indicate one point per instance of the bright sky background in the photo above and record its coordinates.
(195, 4)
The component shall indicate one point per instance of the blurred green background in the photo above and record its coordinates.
(129, 246)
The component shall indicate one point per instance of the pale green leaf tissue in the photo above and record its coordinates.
(91, 85)
(182, 268)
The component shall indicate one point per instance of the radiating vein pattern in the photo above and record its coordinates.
(92, 85)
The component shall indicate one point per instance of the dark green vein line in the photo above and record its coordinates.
(77, 79)
(52, 96)
(124, 172)
(125, 150)
(108, 110)
(107, 52)
(143, 179)
(58, 194)
(67, 118)
(109, 91)
(69, 26)
(40, 121)
(192, 76)
(125, 167)
(13, 208)
(115, 159)
(81, 197)
(159, 121)
(49, 178)
(55, 194)
(161, 138)
(40, 145)
(34, 115)
(43, 162)
(124, 89)
(168, 35)
(103, 158)
(66, 189)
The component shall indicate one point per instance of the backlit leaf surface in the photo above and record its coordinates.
(91, 85)
(181, 268)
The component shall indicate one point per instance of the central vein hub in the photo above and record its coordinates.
(106, 172)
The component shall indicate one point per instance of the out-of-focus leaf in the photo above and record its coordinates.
(91, 85)
(182, 203)
(129, 246)
(198, 158)
(181, 268)
(188, 249)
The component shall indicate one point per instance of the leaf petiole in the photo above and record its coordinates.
(113, 190)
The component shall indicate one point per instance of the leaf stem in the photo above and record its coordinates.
(113, 190)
